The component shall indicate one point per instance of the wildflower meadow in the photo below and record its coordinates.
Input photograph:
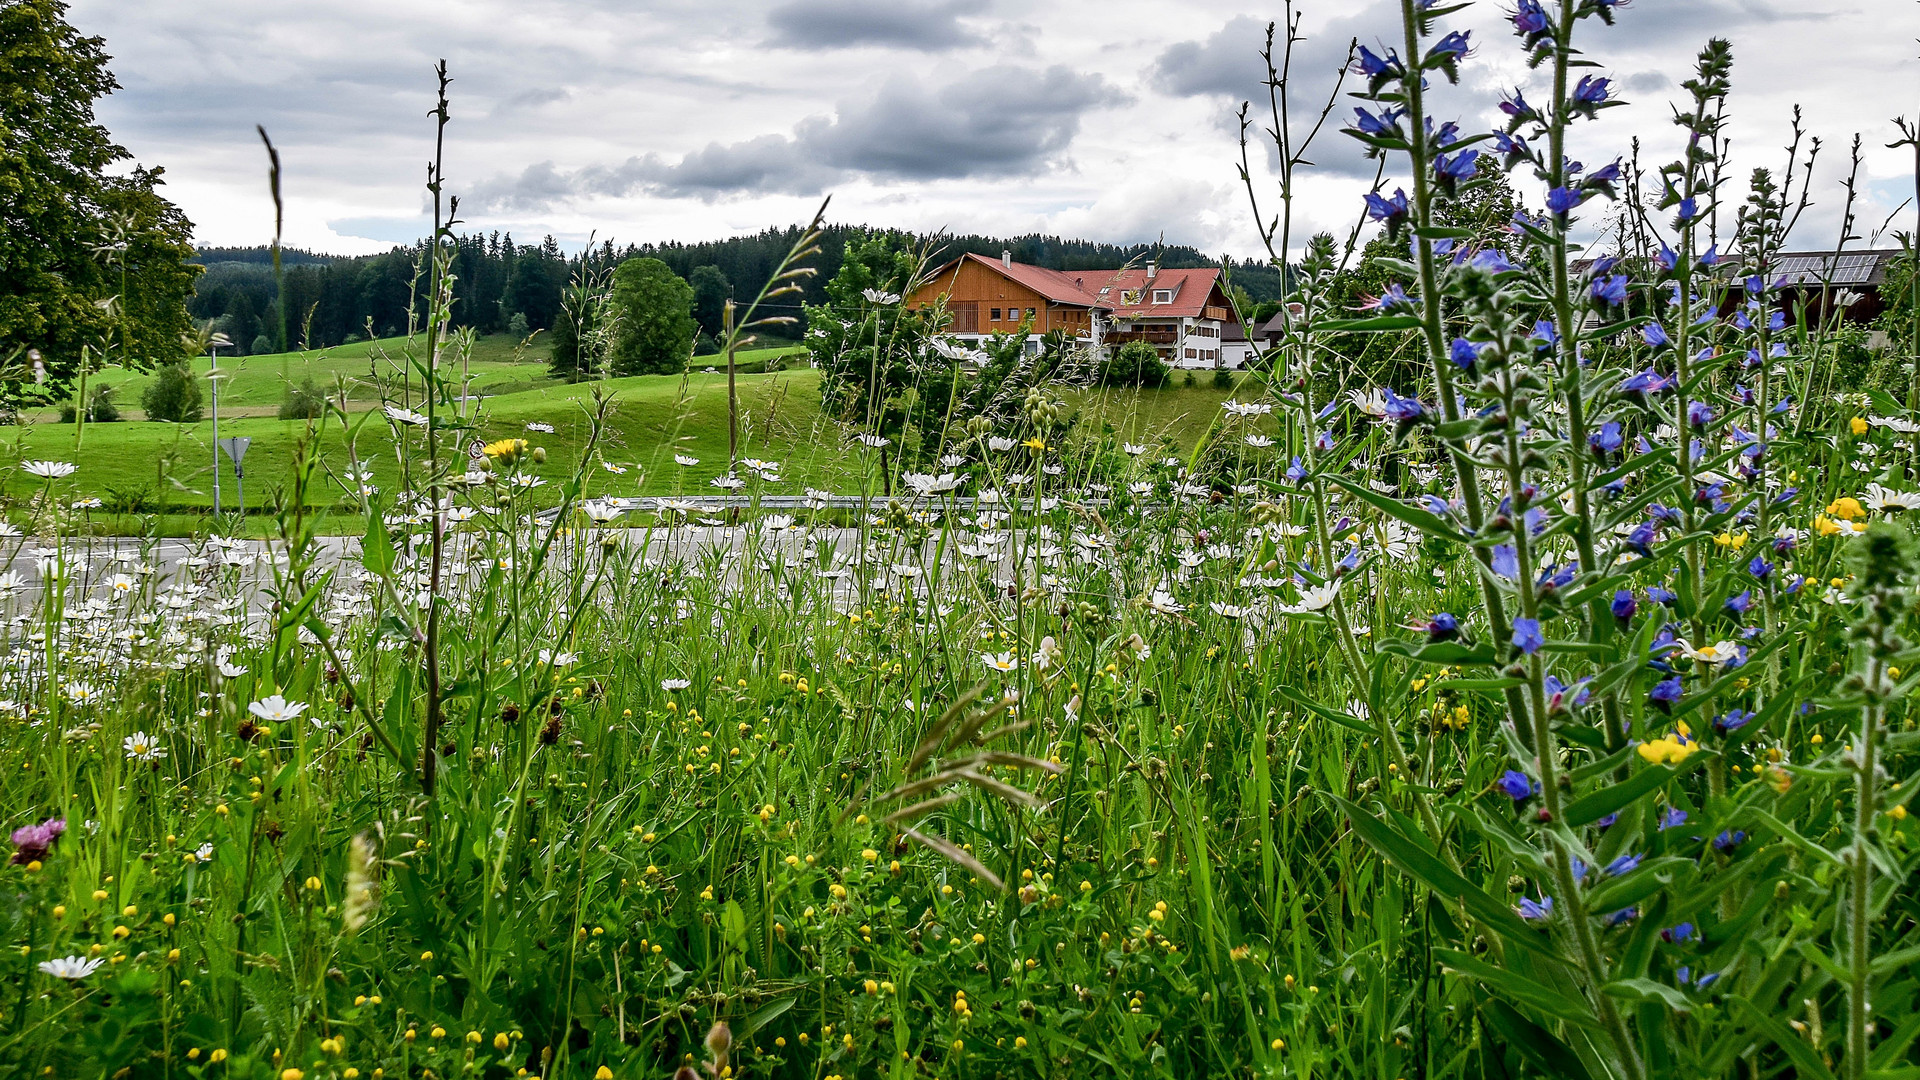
(1534, 703)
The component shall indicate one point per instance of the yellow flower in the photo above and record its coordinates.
(603, 1073)
(1858, 424)
(1847, 508)
(1826, 526)
(1035, 443)
(1666, 750)
(505, 449)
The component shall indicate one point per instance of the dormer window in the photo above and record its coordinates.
(1163, 296)
(1105, 290)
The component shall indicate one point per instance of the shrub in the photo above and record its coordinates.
(304, 402)
(1134, 364)
(1222, 379)
(262, 345)
(173, 396)
(100, 408)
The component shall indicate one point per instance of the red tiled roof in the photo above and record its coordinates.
(1108, 289)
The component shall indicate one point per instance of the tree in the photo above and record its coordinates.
(854, 340)
(76, 236)
(710, 293)
(1135, 364)
(655, 309)
(173, 396)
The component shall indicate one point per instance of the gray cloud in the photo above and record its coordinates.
(1227, 62)
(994, 122)
(911, 24)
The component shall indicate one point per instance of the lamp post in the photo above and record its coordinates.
(213, 383)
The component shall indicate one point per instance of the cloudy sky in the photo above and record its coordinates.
(693, 119)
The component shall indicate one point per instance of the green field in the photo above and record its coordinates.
(138, 467)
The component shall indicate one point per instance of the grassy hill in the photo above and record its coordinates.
(139, 467)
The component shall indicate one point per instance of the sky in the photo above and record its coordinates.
(700, 119)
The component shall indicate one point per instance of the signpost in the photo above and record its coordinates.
(236, 449)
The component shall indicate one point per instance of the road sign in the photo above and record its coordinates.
(236, 449)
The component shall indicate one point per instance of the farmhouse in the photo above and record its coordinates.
(1183, 313)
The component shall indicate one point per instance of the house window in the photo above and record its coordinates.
(996, 314)
(1032, 312)
(1163, 296)
(1191, 354)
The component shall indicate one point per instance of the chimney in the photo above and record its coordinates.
(1006, 259)
(1151, 270)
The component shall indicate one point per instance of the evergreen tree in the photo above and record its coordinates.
(710, 291)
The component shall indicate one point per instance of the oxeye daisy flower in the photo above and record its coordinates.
(50, 470)
(140, 746)
(71, 968)
(277, 709)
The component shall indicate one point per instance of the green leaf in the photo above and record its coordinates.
(1436, 875)
(1425, 520)
(1519, 987)
(376, 549)
(1595, 805)
(1806, 1063)
(1648, 990)
(1449, 653)
(1535, 1043)
(1376, 325)
(1317, 709)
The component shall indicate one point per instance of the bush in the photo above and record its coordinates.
(304, 402)
(1222, 379)
(173, 396)
(100, 408)
(262, 345)
(1135, 364)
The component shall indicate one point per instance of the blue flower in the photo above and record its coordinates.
(1624, 915)
(1738, 604)
(1387, 123)
(1543, 333)
(1453, 46)
(1453, 168)
(1526, 636)
(1699, 413)
(1517, 108)
(1689, 209)
(1491, 261)
(1672, 817)
(1729, 839)
(1395, 296)
(1610, 290)
(1518, 785)
(1734, 720)
(1592, 90)
(1296, 472)
(1561, 697)
(1665, 693)
(1563, 199)
(1662, 596)
(1529, 21)
(1760, 567)
(1606, 439)
(1389, 210)
(1624, 606)
(1443, 627)
(1640, 540)
(1623, 865)
(1464, 353)
(1373, 67)
(1673, 935)
(1607, 822)
(1535, 912)
(1402, 410)
(1655, 335)
(1506, 562)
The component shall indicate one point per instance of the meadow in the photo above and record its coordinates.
(1536, 705)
